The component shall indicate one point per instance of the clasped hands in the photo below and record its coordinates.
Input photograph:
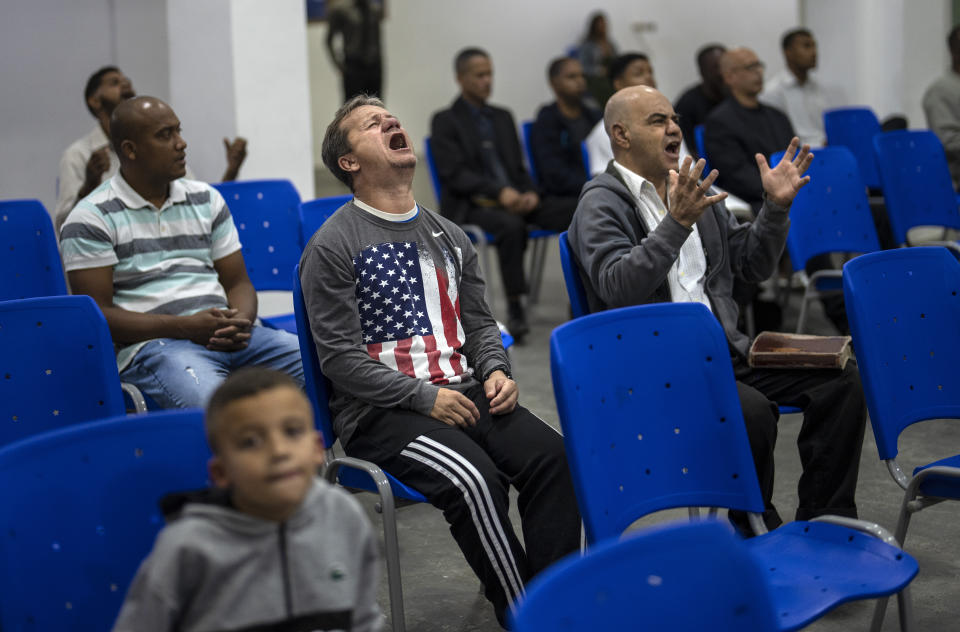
(688, 195)
(456, 409)
(217, 329)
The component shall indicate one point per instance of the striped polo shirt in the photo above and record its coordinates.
(162, 258)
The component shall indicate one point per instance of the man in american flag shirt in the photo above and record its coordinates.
(421, 382)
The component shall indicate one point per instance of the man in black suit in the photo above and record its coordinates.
(484, 181)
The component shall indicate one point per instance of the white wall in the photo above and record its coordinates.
(48, 48)
(422, 36)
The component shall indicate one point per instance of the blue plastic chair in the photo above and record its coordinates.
(350, 472)
(266, 214)
(29, 260)
(666, 430)
(58, 365)
(830, 214)
(526, 129)
(854, 128)
(903, 306)
(81, 513)
(698, 137)
(916, 182)
(683, 577)
(585, 157)
(571, 275)
(315, 212)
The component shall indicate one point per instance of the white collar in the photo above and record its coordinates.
(636, 182)
(390, 217)
(133, 200)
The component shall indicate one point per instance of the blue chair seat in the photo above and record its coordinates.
(819, 566)
(358, 479)
(286, 322)
(940, 486)
(789, 410)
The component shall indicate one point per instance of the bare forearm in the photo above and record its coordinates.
(243, 298)
(128, 327)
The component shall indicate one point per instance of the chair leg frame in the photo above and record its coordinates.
(810, 293)
(391, 545)
(912, 502)
(139, 403)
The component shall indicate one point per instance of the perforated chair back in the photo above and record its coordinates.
(904, 309)
(315, 383)
(266, 215)
(916, 181)
(80, 514)
(432, 168)
(29, 259)
(683, 577)
(698, 137)
(579, 306)
(58, 365)
(315, 212)
(854, 128)
(658, 378)
(831, 213)
(526, 129)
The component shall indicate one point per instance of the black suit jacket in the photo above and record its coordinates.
(456, 152)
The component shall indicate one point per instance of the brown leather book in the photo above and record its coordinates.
(774, 350)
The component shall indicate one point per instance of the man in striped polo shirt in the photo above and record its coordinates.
(161, 257)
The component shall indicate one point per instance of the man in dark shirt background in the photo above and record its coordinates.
(696, 103)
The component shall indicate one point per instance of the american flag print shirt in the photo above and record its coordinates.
(410, 311)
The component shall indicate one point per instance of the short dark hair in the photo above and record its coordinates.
(556, 66)
(619, 65)
(706, 50)
(465, 55)
(335, 143)
(245, 382)
(953, 39)
(788, 37)
(93, 83)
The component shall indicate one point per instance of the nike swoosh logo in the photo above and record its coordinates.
(437, 234)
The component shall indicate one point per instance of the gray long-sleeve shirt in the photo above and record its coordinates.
(397, 311)
(941, 104)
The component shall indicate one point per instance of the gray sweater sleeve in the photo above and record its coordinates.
(328, 284)
(151, 604)
(756, 247)
(623, 273)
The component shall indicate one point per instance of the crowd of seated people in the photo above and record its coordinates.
(421, 383)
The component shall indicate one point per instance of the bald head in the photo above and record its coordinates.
(131, 117)
(145, 133)
(625, 104)
(742, 71)
(644, 134)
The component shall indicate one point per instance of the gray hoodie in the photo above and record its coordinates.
(623, 263)
(215, 568)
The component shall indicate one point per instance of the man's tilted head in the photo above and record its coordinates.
(145, 133)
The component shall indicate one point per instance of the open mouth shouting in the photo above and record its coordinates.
(398, 142)
(673, 149)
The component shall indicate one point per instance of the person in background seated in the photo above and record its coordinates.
(595, 53)
(649, 230)
(941, 105)
(558, 131)
(480, 165)
(271, 546)
(797, 93)
(421, 381)
(629, 69)
(696, 103)
(90, 160)
(161, 257)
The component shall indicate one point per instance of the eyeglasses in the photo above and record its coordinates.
(754, 67)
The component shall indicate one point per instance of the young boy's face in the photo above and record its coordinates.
(267, 452)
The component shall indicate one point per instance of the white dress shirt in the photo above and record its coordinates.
(803, 104)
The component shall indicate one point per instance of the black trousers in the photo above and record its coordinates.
(509, 231)
(467, 474)
(830, 440)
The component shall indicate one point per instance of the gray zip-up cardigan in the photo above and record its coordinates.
(623, 263)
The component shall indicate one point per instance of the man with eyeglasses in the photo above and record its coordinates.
(741, 127)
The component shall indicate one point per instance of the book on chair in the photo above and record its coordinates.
(775, 350)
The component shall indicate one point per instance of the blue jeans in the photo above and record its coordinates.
(182, 374)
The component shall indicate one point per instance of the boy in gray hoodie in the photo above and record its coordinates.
(272, 547)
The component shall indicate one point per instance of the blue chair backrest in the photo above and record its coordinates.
(29, 259)
(58, 365)
(80, 513)
(683, 577)
(916, 181)
(315, 212)
(698, 137)
(904, 310)
(650, 415)
(831, 213)
(854, 128)
(316, 384)
(571, 275)
(267, 219)
(432, 168)
(526, 127)
(585, 157)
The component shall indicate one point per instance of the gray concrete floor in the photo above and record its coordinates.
(442, 594)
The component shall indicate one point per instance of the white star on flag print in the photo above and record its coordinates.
(410, 311)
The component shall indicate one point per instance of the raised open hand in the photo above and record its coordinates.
(688, 197)
(783, 181)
